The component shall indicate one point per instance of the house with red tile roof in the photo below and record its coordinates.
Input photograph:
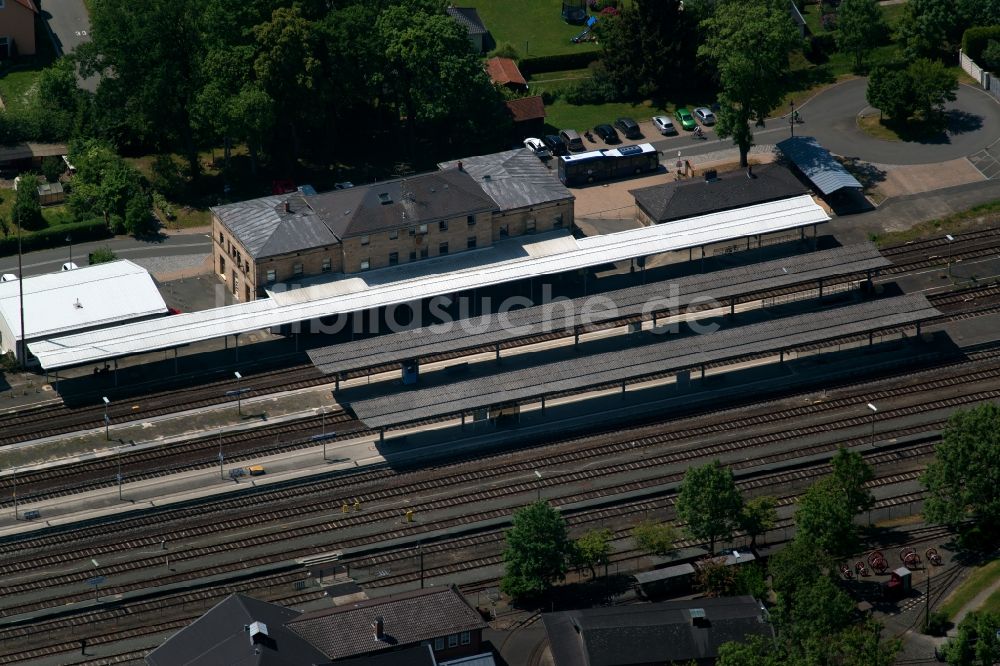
(17, 28)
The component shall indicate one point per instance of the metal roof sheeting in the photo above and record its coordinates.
(564, 314)
(514, 179)
(438, 277)
(817, 164)
(86, 297)
(636, 362)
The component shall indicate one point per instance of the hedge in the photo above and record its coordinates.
(88, 230)
(557, 63)
(975, 40)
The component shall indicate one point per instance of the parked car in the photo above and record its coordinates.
(628, 127)
(685, 118)
(705, 115)
(572, 140)
(8, 277)
(554, 144)
(607, 133)
(664, 125)
(537, 147)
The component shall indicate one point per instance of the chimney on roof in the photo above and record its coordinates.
(378, 626)
(288, 206)
(460, 168)
(257, 631)
(698, 618)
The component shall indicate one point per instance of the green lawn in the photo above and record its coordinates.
(533, 27)
(979, 579)
(16, 85)
(562, 115)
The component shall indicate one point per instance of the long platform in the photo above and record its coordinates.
(442, 275)
(728, 286)
(636, 363)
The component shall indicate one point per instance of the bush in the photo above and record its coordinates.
(94, 229)
(27, 211)
(52, 168)
(829, 22)
(599, 89)
(938, 624)
(975, 40)
(102, 255)
(991, 57)
(557, 63)
(505, 50)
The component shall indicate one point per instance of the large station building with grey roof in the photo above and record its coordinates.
(466, 205)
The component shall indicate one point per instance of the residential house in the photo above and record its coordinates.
(673, 632)
(468, 18)
(17, 28)
(286, 237)
(715, 193)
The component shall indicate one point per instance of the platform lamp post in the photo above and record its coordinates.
(107, 419)
(950, 239)
(15, 492)
(538, 489)
(325, 436)
(874, 412)
(238, 393)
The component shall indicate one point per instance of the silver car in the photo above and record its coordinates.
(537, 147)
(664, 125)
(704, 115)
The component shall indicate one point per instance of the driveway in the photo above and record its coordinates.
(70, 25)
(974, 124)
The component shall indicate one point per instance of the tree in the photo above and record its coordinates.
(52, 168)
(709, 502)
(593, 549)
(758, 516)
(891, 92)
(27, 210)
(755, 651)
(962, 478)
(977, 643)
(714, 578)
(102, 255)
(861, 27)
(979, 12)
(851, 473)
(991, 56)
(929, 28)
(537, 547)
(825, 519)
(933, 85)
(749, 41)
(104, 185)
(654, 538)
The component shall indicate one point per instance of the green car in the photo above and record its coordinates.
(685, 118)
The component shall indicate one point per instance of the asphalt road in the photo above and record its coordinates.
(70, 25)
(47, 261)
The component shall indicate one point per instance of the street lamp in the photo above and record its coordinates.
(324, 437)
(107, 420)
(69, 239)
(874, 412)
(950, 240)
(538, 490)
(238, 393)
(791, 117)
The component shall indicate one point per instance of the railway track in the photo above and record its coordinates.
(53, 420)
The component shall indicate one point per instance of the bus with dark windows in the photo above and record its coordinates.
(596, 165)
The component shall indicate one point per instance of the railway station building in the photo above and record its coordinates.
(280, 239)
(77, 301)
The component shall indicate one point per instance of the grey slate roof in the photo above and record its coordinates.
(651, 633)
(346, 631)
(817, 164)
(419, 199)
(266, 230)
(219, 637)
(418, 655)
(689, 198)
(468, 18)
(513, 178)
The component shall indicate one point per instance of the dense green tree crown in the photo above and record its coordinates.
(825, 514)
(977, 643)
(749, 42)
(654, 538)
(860, 27)
(964, 478)
(709, 502)
(536, 553)
(27, 210)
(105, 185)
(592, 550)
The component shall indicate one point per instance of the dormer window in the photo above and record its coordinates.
(384, 198)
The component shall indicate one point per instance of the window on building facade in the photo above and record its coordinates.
(327, 264)
(529, 226)
(424, 253)
(438, 644)
(471, 243)
(246, 267)
(222, 266)
(504, 231)
(394, 234)
(471, 220)
(413, 256)
(221, 238)
(365, 240)
(272, 275)
(443, 225)
(466, 638)
(393, 258)
(366, 263)
(422, 229)
(443, 248)
(452, 640)
(296, 269)
(557, 222)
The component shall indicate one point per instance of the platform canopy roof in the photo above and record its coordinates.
(638, 362)
(519, 259)
(673, 296)
(99, 295)
(817, 164)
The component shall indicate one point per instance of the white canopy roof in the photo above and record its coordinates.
(82, 298)
(444, 275)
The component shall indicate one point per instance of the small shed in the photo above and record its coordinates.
(51, 193)
(528, 114)
(504, 72)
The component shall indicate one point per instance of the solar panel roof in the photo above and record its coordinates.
(634, 363)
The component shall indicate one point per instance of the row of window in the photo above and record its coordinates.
(297, 269)
(453, 640)
(470, 244)
(422, 229)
